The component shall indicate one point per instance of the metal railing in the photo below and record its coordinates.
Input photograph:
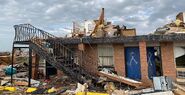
(26, 32)
(55, 53)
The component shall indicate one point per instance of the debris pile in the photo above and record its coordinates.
(100, 28)
(175, 27)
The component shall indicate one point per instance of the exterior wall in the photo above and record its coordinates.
(88, 58)
(81, 47)
(128, 32)
(119, 59)
(168, 64)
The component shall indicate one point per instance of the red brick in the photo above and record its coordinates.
(90, 58)
(81, 46)
(119, 59)
(168, 64)
(143, 61)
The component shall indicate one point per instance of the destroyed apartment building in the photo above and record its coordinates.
(101, 51)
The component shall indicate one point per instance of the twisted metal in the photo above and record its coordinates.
(26, 32)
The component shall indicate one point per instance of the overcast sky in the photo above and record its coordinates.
(57, 15)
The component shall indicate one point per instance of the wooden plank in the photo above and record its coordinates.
(134, 83)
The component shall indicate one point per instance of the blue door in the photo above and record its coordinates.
(151, 62)
(132, 58)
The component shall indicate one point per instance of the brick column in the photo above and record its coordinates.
(143, 61)
(81, 49)
(168, 64)
(144, 64)
(119, 59)
(90, 58)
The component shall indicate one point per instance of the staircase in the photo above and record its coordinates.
(55, 53)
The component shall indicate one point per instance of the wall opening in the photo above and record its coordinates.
(179, 54)
(158, 61)
(154, 62)
(106, 57)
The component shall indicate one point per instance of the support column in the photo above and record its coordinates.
(35, 61)
(30, 67)
(119, 59)
(168, 63)
(90, 59)
(13, 51)
(81, 48)
(143, 62)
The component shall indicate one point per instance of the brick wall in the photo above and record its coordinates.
(128, 32)
(81, 47)
(119, 59)
(89, 59)
(168, 64)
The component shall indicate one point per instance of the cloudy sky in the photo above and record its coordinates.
(55, 16)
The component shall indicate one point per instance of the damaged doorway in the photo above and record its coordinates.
(132, 59)
(154, 61)
(151, 62)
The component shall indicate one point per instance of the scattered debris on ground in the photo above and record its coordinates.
(15, 78)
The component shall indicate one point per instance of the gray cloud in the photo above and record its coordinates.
(55, 15)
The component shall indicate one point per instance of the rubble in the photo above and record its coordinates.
(160, 93)
(99, 28)
(21, 74)
(108, 79)
(21, 83)
(175, 27)
(31, 89)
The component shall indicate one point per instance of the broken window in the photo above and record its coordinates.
(180, 61)
(180, 57)
(179, 54)
(105, 54)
